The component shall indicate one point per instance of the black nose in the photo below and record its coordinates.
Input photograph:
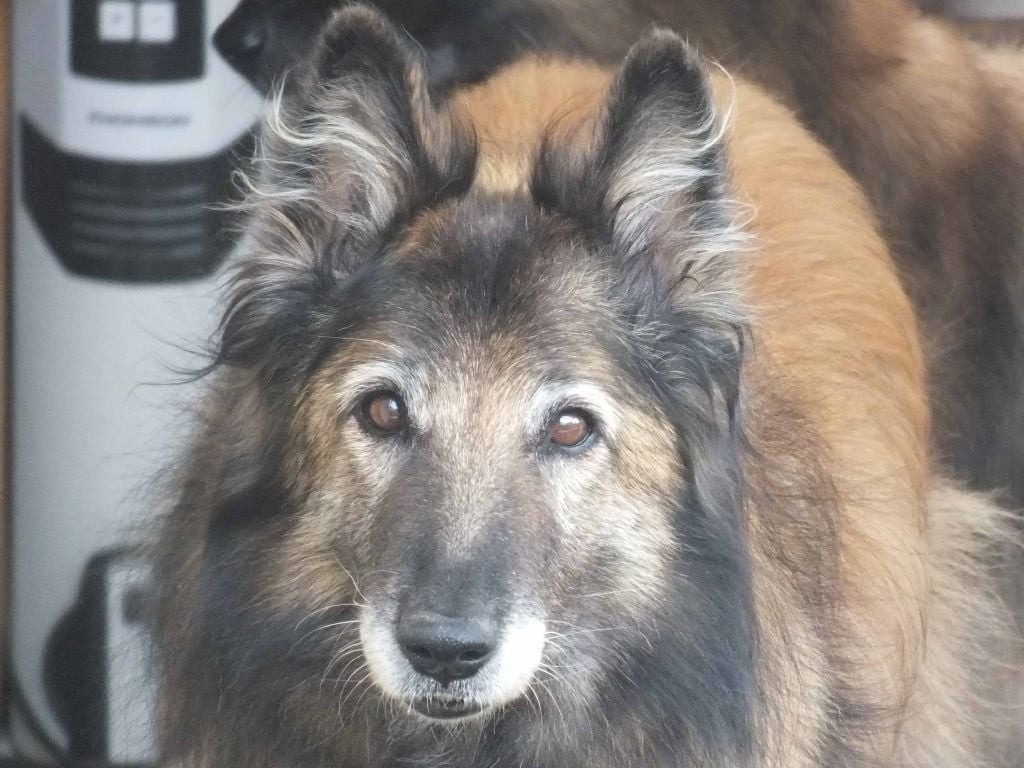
(446, 648)
(240, 42)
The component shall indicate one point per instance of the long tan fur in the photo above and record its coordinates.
(921, 560)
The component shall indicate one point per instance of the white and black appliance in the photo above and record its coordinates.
(125, 125)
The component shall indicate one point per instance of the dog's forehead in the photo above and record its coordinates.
(504, 267)
(475, 288)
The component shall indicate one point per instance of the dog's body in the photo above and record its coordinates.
(613, 455)
(928, 124)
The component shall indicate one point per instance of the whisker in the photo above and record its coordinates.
(324, 609)
(320, 629)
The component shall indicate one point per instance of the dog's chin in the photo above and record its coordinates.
(461, 702)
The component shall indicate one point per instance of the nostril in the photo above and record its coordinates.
(477, 654)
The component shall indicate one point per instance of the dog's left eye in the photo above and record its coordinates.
(385, 413)
(571, 428)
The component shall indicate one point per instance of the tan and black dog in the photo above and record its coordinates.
(599, 440)
(928, 124)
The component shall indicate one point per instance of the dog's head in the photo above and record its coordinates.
(481, 449)
(464, 40)
(265, 39)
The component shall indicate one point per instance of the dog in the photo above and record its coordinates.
(465, 40)
(601, 439)
(927, 123)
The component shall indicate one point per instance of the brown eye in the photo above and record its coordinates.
(570, 429)
(385, 411)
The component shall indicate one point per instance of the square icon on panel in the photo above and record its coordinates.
(158, 21)
(116, 21)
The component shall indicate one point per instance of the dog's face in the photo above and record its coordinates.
(486, 455)
(489, 465)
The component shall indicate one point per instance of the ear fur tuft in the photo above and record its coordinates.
(351, 146)
(654, 177)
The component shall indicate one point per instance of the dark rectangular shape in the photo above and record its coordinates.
(128, 221)
(148, 41)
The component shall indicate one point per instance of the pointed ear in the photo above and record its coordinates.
(352, 145)
(653, 177)
(358, 132)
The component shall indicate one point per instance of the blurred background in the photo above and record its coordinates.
(121, 123)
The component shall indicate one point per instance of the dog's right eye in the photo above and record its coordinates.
(571, 430)
(384, 413)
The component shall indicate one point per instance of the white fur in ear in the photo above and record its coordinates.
(665, 157)
(350, 145)
(654, 178)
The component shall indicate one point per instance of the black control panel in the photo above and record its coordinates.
(148, 41)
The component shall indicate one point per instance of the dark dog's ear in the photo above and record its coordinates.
(653, 179)
(651, 185)
(361, 121)
(351, 146)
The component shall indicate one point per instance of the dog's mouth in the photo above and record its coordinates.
(476, 696)
(446, 707)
